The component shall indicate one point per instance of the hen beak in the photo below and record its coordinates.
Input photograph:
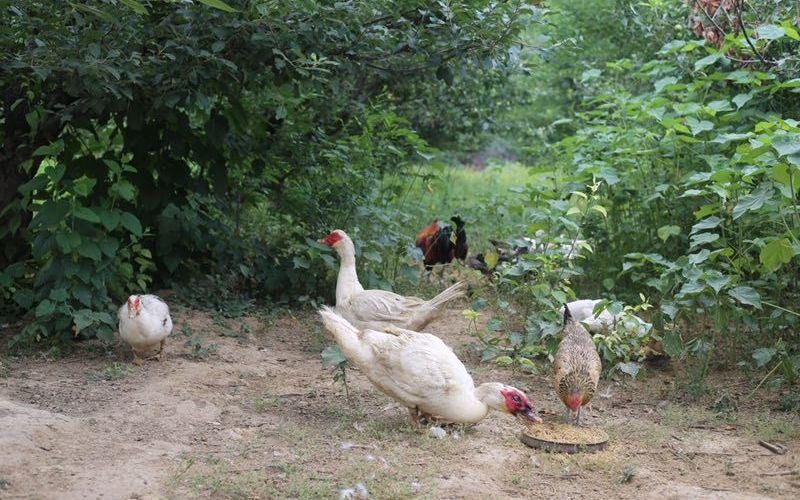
(321, 240)
(531, 415)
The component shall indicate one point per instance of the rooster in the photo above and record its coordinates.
(440, 245)
(461, 247)
(144, 323)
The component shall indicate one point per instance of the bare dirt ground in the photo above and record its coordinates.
(261, 418)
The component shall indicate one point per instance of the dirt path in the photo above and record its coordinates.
(261, 418)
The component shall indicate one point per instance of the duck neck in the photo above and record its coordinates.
(485, 397)
(347, 283)
(490, 397)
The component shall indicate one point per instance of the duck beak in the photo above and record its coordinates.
(531, 415)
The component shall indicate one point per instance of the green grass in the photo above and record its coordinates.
(266, 402)
(113, 371)
(777, 427)
(477, 195)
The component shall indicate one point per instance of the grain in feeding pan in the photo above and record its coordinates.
(564, 438)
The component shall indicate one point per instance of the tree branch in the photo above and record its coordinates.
(738, 5)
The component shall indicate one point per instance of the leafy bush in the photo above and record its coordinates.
(143, 140)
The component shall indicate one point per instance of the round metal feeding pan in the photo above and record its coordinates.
(564, 438)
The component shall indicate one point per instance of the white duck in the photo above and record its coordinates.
(144, 322)
(379, 309)
(423, 374)
(583, 312)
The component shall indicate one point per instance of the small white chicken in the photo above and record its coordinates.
(583, 312)
(144, 322)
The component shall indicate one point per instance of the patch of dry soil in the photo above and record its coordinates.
(261, 418)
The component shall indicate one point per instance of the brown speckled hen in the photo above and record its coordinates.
(576, 366)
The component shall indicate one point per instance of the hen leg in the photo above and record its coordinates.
(578, 416)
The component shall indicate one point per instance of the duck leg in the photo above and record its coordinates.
(414, 414)
(160, 354)
(136, 359)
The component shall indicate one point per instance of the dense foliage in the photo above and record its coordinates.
(679, 164)
(147, 142)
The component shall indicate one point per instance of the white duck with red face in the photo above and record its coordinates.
(423, 374)
(144, 323)
(379, 309)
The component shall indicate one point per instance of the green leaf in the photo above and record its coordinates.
(89, 249)
(673, 345)
(68, 241)
(770, 32)
(374, 256)
(664, 82)
(691, 288)
(124, 189)
(87, 214)
(503, 360)
(24, 298)
(707, 223)
(109, 246)
(45, 308)
(52, 149)
(600, 209)
(58, 294)
(631, 368)
(51, 213)
(135, 6)
(217, 46)
(717, 280)
(109, 219)
(590, 74)
(491, 258)
(725, 138)
(746, 295)
(83, 185)
(105, 16)
(699, 257)
(749, 202)
(664, 232)
(698, 126)
(332, 356)
(764, 355)
(131, 223)
(703, 238)
(790, 31)
(83, 294)
(720, 105)
(707, 61)
(742, 99)
(786, 144)
(776, 253)
(218, 4)
(83, 318)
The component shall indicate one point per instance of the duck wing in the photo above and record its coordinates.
(416, 368)
(381, 306)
